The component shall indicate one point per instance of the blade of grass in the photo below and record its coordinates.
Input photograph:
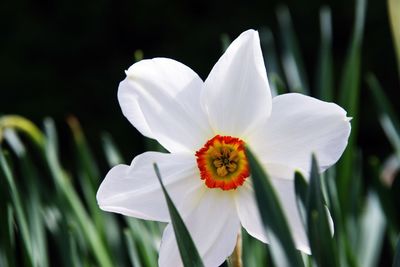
(372, 229)
(349, 100)
(255, 253)
(271, 62)
(319, 228)
(23, 125)
(75, 259)
(396, 259)
(111, 152)
(133, 254)
(85, 156)
(32, 199)
(394, 17)
(387, 116)
(18, 206)
(325, 64)
(64, 186)
(386, 197)
(225, 42)
(292, 61)
(187, 249)
(144, 241)
(7, 242)
(282, 247)
(89, 178)
(301, 188)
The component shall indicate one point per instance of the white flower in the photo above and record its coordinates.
(204, 126)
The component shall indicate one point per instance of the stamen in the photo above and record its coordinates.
(222, 162)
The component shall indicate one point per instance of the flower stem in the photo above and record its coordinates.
(235, 260)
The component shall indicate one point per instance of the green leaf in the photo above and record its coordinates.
(133, 254)
(282, 247)
(255, 253)
(144, 240)
(88, 177)
(394, 16)
(271, 61)
(111, 151)
(23, 125)
(319, 229)
(396, 259)
(32, 198)
(292, 61)
(325, 64)
(372, 230)
(387, 116)
(349, 100)
(301, 188)
(67, 191)
(386, 196)
(225, 42)
(6, 172)
(84, 155)
(189, 254)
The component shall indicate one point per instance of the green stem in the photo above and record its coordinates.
(235, 260)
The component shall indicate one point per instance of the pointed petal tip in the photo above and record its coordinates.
(304, 249)
(250, 35)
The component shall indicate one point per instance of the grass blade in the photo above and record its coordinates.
(325, 65)
(189, 254)
(301, 188)
(64, 186)
(349, 100)
(319, 232)
(271, 62)
(396, 260)
(387, 116)
(133, 254)
(394, 16)
(5, 170)
(282, 247)
(292, 61)
(225, 42)
(23, 125)
(32, 199)
(111, 152)
(372, 230)
(145, 241)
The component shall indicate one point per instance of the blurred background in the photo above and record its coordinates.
(64, 60)
(67, 57)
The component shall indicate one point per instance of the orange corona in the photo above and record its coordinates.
(222, 162)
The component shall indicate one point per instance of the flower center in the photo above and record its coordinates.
(222, 162)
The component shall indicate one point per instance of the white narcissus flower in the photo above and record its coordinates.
(204, 126)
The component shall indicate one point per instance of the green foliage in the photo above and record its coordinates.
(394, 17)
(396, 261)
(318, 225)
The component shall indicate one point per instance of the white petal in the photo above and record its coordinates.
(250, 218)
(248, 212)
(299, 126)
(236, 93)
(287, 196)
(213, 225)
(135, 191)
(160, 97)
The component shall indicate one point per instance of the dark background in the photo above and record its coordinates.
(67, 57)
